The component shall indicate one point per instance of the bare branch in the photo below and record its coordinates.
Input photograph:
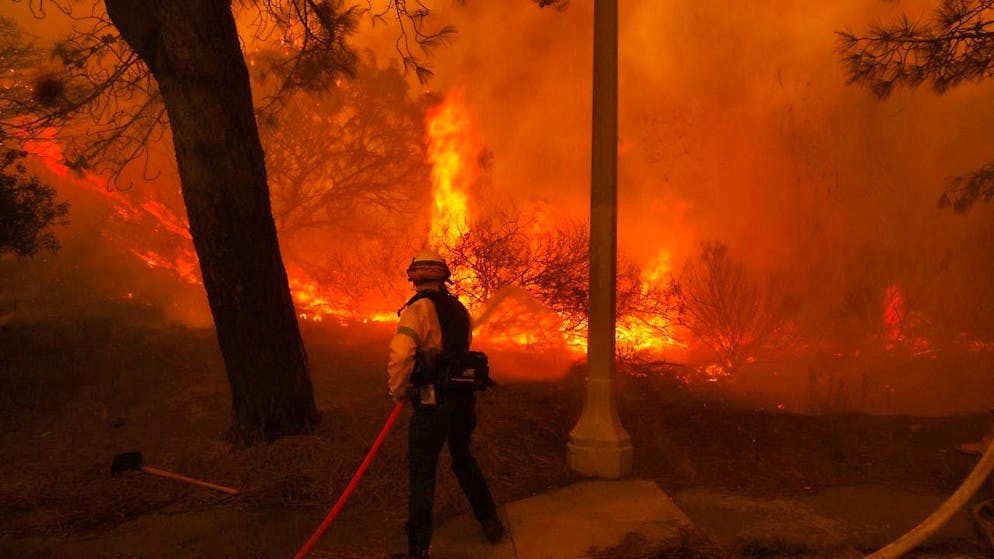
(413, 33)
(506, 248)
(94, 92)
(349, 156)
(312, 51)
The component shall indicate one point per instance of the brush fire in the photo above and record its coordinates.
(803, 293)
(660, 316)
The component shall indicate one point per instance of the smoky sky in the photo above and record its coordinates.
(736, 125)
(736, 122)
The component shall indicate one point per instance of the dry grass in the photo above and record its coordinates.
(163, 392)
(75, 394)
(693, 544)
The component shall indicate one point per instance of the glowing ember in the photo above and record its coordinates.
(184, 266)
(150, 215)
(714, 371)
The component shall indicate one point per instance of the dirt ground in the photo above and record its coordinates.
(75, 393)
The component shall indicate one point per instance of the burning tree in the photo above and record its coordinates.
(347, 164)
(347, 171)
(348, 157)
(957, 46)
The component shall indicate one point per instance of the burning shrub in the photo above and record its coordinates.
(891, 299)
(505, 247)
(726, 308)
(505, 252)
(647, 310)
(527, 285)
(353, 281)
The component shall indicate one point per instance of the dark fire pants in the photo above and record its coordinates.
(452, 419)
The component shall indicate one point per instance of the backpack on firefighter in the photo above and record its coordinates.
(455, 368)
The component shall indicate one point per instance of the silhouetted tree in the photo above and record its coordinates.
(192, 49)
(724, 306)
(122, 75)
(109, 91)
(27, 209)
(957, 45)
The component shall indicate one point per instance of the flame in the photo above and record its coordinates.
(316, 302)
(521, 323)
(650, 333)
(184, 266)
(901, 326)
(894, 314)
(452, 151)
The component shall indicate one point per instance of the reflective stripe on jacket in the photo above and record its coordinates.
(418, 329)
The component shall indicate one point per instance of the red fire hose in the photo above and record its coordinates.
(352, 484)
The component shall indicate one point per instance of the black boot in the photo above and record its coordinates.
(493, 530)
(412, 553)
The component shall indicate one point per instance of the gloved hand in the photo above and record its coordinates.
(400, 397)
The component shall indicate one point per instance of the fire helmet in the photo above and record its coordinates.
(428, 266)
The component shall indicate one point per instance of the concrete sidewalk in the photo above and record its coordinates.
(568, 523)
(837, 522)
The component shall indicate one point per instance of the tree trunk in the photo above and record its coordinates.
(192, 49)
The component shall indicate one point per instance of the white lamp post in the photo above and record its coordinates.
(599, 445)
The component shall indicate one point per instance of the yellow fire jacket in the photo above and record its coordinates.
(418, 329)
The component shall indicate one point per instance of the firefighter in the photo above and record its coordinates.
(434, 318)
